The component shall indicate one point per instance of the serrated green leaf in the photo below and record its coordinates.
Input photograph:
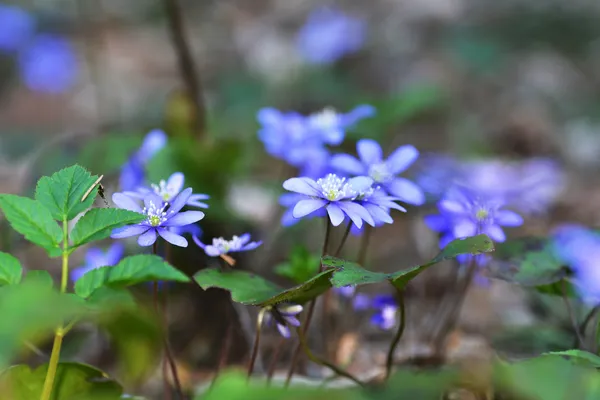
(74, 381)
(98, 223)
(348, 273)
(302, 265)
(529, 261)
(39, 276)
(31, 219)
(577, 357)
(130, 271)
(62, 192)
(10, 269)
(251, 289)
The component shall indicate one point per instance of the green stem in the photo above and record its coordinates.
(322, 362)
(399, 332)
(60, 332)
(565, 297)
(256, 344)
(364, 244)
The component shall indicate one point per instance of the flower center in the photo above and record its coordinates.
(226, 246)
(335, 188)
(156, 216)
(364, 195)
(164, 190)
(380, 172)
(325, 119)
(482, 214)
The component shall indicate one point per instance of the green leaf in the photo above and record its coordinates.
(98, 223)
(301, 266)
(31, 310)
(529, 261)
(74, 381)
(62, 192)
(577, 357)
(10, 269)
(251, 289)
(31, 219)
(39, 276)
(348, 273)
(130, 271)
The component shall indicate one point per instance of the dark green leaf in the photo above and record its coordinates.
(528, 262)
(251, 289)
(10, 269)
(301, 266)
(130, 271)
(62, 192)
(98, 223)
(74, 381)
(348, 273)
(32, 220)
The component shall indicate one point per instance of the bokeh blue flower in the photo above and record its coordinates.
(17, 27)
(220, 246)
(96, 257)
(133, 172)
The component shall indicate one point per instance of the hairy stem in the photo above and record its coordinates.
(311, 308)
(187, 66)
(390, 356)
(565, 297)
(324, 363)
(256, 344)
(59, 333)
(275, 359)
(364, 245)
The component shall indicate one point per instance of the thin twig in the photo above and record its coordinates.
(275, 359)
(311, 308)
(343, 241)
(586, 321)
(565, 297)
(322, 362)
(396, 340)
(187, 67)
(256, 344)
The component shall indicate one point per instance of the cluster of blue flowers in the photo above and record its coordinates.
(46, 62)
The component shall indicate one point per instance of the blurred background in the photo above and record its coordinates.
(507, 89)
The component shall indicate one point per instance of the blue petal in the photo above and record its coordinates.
(128, 231)
(361, 183)
(304, 186)
(437, 222)
(336, 215)
(184, 218)
(152, 200)
(126, 202)
(464, 228)
(378, 214)
(180, 200)
(172, 238)
(358, 113)
(153, 142)
(495, 233)
(283, 330)
(406, 191)
(287, 219)
(79, 272)
(251, 246)
(176, 181)
(198, 242)
(347, 164)
(94, 256)
(508, 218)
(147, 238)
(114, 253)
(305, 207)
(356, 212)
(402, 158)
(212, 251)
(369, 151)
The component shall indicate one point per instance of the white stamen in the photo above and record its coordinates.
(164, 190)
(156, 216)
(335, 188)
(380, 172)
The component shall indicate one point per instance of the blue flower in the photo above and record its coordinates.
(284, 315)
(334, 194)
(464, 213)
(383, 172)
(96, 258)
(168, 190)
(386, 315)
(289, 200)
(330, 34)
(133, 173)
(301, 140)
(221, 246)
(48, 64)
(345, 291)
(437, 173)
(17, 28)
(160, 216)
(579, 248)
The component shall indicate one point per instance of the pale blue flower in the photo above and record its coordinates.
(133, 173)
(334, 194)
(160, 217)
(168, 190)
(48, 64)
(221, 246)
(329, 34)
(284, 315)
(383, 171)
(16, 28)
(386, 315)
